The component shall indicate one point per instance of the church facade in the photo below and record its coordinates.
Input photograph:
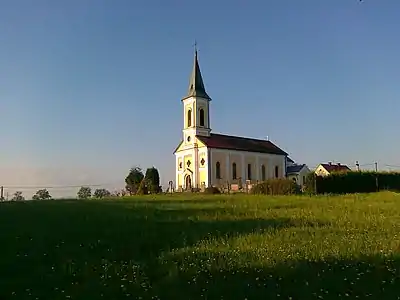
(205, 159)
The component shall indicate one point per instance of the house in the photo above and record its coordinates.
(329, 168)
(205, 159)
(298, 173)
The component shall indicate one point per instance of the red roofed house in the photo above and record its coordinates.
(206, 159)
(329, 168)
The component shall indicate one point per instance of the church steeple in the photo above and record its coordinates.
(196, 84)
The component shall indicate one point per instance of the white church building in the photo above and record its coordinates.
(205, 159)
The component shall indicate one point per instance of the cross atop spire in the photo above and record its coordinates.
(195, 46)
(196, 84)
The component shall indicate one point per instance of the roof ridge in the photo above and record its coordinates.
(242, 137)
(223, 141)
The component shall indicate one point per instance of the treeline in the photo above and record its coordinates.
(136, 183)
(353, 182)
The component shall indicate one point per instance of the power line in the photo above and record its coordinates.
(59, 186)
(392, 166)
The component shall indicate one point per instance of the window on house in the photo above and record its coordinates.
(262, 172)
(304, 179)
(234, 176)
(189, 118)
(201, 117)
(276, 171)
(249, 171)
(218, 170)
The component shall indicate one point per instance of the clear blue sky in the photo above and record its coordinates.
(90, 88)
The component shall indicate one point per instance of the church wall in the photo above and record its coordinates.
(237, 159)
(250, 159)
(198, 174)
(280, 163)
(188, 158)
(264, 161)
(188, 106)
(242, 159)
(203, 177)
(195, 104)
(221, 158)
(203, 169)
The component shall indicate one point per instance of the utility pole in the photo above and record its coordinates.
(1, 193)
(376, 177)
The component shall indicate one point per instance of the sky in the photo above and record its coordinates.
(89, 89)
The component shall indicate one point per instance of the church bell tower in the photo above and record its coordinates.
(196, 107)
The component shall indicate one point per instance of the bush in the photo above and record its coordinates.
(42, 194)
(353, 182)
(212, 190)
(101, 193)
(84, 192)
(310, 184)
(276, 187)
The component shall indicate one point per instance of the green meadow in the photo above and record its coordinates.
(202, 247)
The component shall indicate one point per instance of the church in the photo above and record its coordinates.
(205, 159)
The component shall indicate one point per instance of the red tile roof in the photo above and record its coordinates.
(229, 142)
(335, 167)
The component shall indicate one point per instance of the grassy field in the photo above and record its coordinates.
(202, 247)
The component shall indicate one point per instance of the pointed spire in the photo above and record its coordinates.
(196, 85)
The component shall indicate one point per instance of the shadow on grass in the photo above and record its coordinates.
(105, 250)
(364, 278)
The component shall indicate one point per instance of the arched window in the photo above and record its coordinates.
(249, 171)
(276, 172)
(201, 117)
(218, 170)
(189, 118)
(262, 172)
(234, 176)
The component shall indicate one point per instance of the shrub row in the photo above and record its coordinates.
(276, 187)
(353, 182)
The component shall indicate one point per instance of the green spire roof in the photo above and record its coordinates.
(196, 85)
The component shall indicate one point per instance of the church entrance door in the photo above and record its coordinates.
(188, 182)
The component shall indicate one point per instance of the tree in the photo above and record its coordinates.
(153, 180)
(143, 189)
(133, 180)
(18, 196)
(84, 192)
(42, 194)
(101, 193)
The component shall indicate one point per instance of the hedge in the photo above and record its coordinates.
(353, 182)
(276, 187)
